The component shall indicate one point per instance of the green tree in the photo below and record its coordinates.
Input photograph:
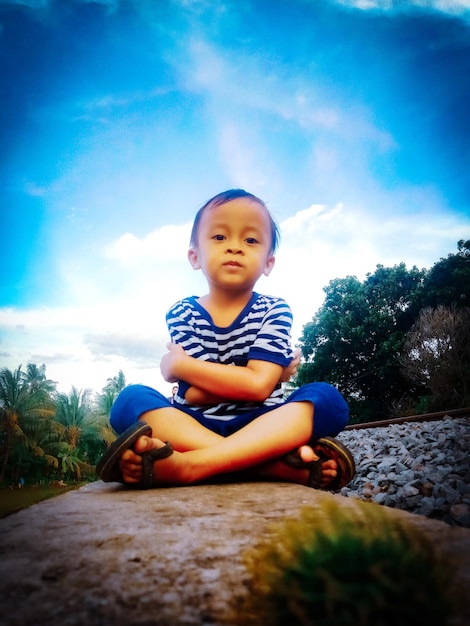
(20, 406)
(104, 402)
(37, 383)
(448, 282)
(111, 390)
(80, 430)
(38, 459)
(356, 336)
(116, 384)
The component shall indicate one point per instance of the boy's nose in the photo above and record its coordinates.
(234, 249)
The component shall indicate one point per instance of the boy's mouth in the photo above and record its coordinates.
(232, 264)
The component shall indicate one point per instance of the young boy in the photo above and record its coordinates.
(229, 353)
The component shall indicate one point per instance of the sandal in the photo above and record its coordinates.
(108, 467)
(326, 448)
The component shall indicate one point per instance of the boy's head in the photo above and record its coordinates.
(228, 196)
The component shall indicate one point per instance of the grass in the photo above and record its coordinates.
(351, 567)
(13, 500)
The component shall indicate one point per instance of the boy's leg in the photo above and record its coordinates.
(180, 429)
(268, 437)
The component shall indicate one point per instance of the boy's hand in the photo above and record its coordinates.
(170, 361)
(291, 369)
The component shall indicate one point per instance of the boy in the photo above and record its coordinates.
(229, 353)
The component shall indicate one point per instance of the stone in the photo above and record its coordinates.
(105, 555)
(416, 455)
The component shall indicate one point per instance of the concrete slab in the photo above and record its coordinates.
(106, 555)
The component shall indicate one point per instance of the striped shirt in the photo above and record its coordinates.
(261, 331)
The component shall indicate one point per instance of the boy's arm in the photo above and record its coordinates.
(196, 395)
(252, 383)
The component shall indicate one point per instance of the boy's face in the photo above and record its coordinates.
(233, 245)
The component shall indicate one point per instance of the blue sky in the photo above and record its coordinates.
(120, 118)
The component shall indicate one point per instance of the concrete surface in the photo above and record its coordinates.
(105, 555)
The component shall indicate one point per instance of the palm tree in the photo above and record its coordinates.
(80, 427)
(43, 443)
(36, 381)
(70, 463)
(74, 412)
(110, 392)
(116, 383)
(104, 401)
(19, 405)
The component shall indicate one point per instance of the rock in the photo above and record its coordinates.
(427, 489)
(108, 556)
(413, 461)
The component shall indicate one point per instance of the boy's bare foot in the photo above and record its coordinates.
(176, 469)
(168, 471)
(280, 470)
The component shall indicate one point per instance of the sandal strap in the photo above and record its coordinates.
(108, 466)
(315, 474)
(148, 459)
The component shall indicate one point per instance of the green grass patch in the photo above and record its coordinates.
(13, 500)
(336, 566)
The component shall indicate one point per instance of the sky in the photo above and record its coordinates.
(120, 118)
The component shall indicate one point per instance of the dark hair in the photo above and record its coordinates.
(227, 196)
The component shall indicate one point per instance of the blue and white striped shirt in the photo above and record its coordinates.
(261, 331)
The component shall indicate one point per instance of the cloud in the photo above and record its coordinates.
(167, 243)
(452, 7)
(142, 350)
(322, 243)
(85, 344)
(45, 4)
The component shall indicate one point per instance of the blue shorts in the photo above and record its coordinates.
(331, 413)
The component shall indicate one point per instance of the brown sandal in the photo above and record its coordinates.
(326, 448)
(108, 467)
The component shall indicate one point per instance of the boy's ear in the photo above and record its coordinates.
(269, 265)
(193, 259)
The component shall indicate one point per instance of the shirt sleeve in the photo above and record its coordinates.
(273, 340)
(186, 332)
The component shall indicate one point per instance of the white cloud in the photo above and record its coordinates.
(456, 7)
(167, 243)
(124, 328)
(322, 243)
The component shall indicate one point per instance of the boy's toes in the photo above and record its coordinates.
(329, 473)
(130, 463)
(307, 454)
(143, 444)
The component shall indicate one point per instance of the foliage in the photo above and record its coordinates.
(436, 355)
(21, 404)
(46, 435)
(356, 339)
(448, 281)
(338, 565)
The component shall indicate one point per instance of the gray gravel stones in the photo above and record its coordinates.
(419, 467)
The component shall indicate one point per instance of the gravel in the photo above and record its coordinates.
(419, 467)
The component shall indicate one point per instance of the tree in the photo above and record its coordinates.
(36, 381)
(356, 336)
(111, 390)
(104, 401)
(448, 282)
(80, 431)
(20, 405)
(116, 384)
(436, 356)
(74, 412)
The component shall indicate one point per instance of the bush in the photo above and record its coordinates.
(339, 567)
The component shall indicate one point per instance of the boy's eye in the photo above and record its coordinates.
(218, 237)
(251, 240)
